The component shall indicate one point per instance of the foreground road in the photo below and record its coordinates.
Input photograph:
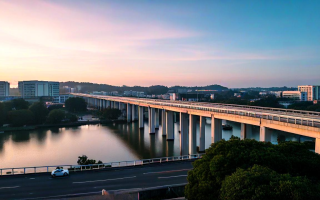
(42, 186)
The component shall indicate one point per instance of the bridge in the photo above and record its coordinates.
(298, 122)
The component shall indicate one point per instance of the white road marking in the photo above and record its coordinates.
(32, 178)
(114, 179)
(173, 176)
(9, 187)
(179, 170)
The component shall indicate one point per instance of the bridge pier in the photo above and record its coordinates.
(108, 104)
(105, 104)
(169, 125)
(216, 129)
(112, 104)
(101, 104)
(184, 135)
(317, 147)
(133, 107)
(246, 131)
(151, 112)
(157, 118)
(141, 124)
(265, 135)
(129, 112)
(163, 123)
(202, 134)
(192, 134)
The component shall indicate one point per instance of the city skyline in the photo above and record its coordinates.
(185, 43)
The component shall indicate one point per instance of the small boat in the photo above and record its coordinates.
(226, 127)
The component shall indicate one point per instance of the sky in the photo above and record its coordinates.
(161, 42)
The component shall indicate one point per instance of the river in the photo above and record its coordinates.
(114, 142)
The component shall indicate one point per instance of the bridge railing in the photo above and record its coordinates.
(43, 169)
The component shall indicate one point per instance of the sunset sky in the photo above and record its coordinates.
(161, 42)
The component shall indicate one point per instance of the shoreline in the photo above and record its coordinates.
(79, 123)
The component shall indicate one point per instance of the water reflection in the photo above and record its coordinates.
(113, 142)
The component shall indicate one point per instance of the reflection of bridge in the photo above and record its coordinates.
(293, 121)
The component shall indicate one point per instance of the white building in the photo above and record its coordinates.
(276, 93)
(60, 99)
(296, 95)
(31, 89)
(313, 91)
(4, 88)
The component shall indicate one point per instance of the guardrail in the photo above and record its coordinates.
(43, 169)
(275, 114)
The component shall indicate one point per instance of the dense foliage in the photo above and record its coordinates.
(111, 113)
(21, 117)
(76, 104)
(83, 160)
(305, 106)
(248, 169)
(56, 116)
(39, 111)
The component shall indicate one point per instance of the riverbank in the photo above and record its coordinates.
(60, 125)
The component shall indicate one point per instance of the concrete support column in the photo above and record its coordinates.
(129, 112)
(108, 104)
(317, 147)
(96, 103)
(133, 112)
(112, 104)
(216, 129)
(243, 131)
(169, 125)
(100, 104)
(105, 104)
(141, 124)
(164, 123)
(119, 106)
(184, 136)
(192, 134)
(157, 118)
(202, 134)
(151, 112)
(265, 135)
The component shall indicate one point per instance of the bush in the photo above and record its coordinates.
(56, 116)
(83, 160)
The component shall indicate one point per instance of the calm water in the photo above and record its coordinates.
(120, 142)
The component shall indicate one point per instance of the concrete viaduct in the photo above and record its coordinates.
(299, 122)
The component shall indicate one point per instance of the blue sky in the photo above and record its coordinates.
(180, 42)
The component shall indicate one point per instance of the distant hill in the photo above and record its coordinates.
(194, 88)
(85, 87)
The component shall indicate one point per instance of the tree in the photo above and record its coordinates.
(224, 158)
(55, 116)
(39, 111)
(56, 106)
(20, 104)
(20, 117)
(2, 114)
(260, 182)
(83, 160)
(76, 104)
(111, 113)
(71, 117)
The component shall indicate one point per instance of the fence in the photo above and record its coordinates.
(42, 169)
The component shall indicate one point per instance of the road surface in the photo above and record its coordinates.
(42, 186)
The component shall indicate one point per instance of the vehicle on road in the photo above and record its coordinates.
(60, 172)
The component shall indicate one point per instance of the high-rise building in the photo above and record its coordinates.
(313, 92)
(4, 88)
(31, 89)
